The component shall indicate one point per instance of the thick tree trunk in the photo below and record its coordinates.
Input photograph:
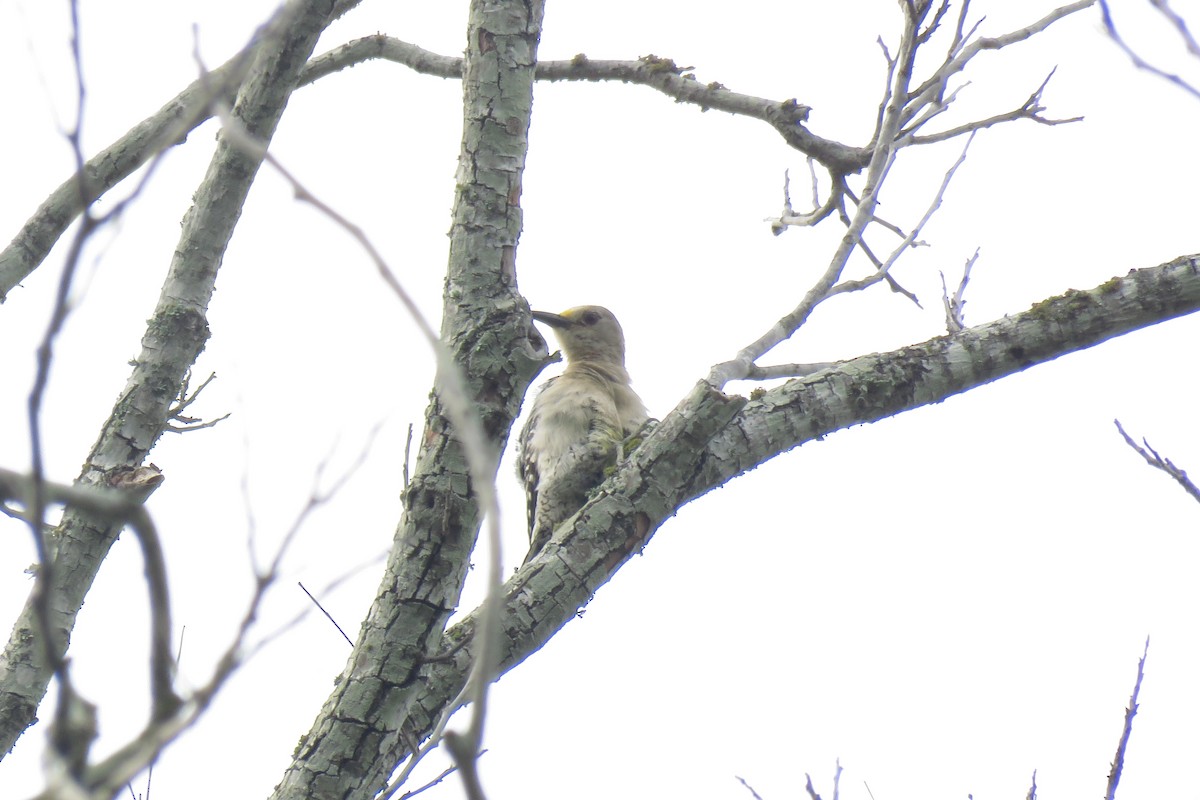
(362, 732)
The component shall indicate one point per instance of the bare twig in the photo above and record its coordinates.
(35, 496)
(931, 27)
(118, 768)
(447, 656)
(749, 788)
(407, 451)
(1140, 62)
(122, 503)
(882, 158)
(466, 758)
(171, 124)
(297, 27)
(164, 129)
(742, 367)
(789, 218)
(954, 305)
(934, 85)
(808, 787)
(1159, 462)
(1114, 777)
(328, 616)
(757, 373)
(447, 772)
(1179, 24)
(184, 400)
(1031, 109)
(481, 462)
(251, 649)
(959, 37)
(910, 240)
(75, 716)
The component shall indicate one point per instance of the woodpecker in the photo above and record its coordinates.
(578, 422)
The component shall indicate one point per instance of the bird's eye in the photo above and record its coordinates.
(590, 318)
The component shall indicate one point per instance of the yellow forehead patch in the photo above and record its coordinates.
(578, 311)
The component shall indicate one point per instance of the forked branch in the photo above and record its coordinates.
(904, 110)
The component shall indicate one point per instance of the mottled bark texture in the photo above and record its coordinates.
(362, 731)
(711, 438)
(174, 337)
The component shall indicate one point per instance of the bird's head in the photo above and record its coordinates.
(587, 333)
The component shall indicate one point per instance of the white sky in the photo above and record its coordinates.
(945, 601)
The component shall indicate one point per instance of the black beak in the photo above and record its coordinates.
(553, 320)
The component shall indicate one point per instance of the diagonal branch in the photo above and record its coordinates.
(1142, 63)
(910, 239)
(711, 438)
(1157, 461)
(1118, 764)
(165, 128)
(174, 338)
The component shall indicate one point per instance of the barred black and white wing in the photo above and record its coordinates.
(527, 464)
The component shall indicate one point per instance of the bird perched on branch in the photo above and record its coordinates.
(578, 422)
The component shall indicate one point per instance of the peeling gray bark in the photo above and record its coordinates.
(362, 731)
(175, 336)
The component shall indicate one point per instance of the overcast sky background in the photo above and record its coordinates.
(945, 601)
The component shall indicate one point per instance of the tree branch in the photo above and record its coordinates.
(166, 128)
(359, 737)
(882, 158)
(171, 124)
(711, 438)
(1114, 776)
(662, 74)
(1143, 64)
(1159, 462)
(174, 338)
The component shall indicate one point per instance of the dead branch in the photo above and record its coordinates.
(1143, 64)
(882, 158)
(468, 427)
(1159, 462)
(749, 788)
(184, 400)
(1114, 776)
(882, 271)
(954, 305)
(172, 123)
(328, 616)
(1031, 109)
(140, 415)
(903, 110)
